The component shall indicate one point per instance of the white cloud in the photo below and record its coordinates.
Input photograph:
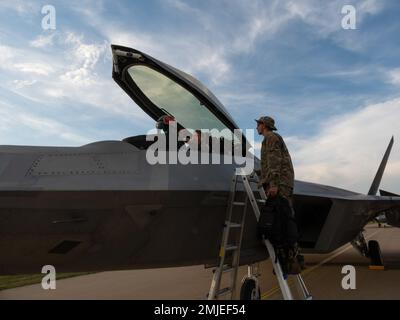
(13, 120)
(10, 60)
(73, 38)
(211, 56)
(265, 20)
(84, 59)
(43, 41)
(203, 18)
(139, 40)
(50, 127)
(325, 18)
(241, 97)
(349, 148)
(184, 52)
(70, 75)
(6, 53)
(394, 76)
(22, 7)
(371, 6)
(262, 21)
(19, 84)
(349, 73)
(79, 76)
(36, 68)
(182, 6)
(212, 63)
(73, 73)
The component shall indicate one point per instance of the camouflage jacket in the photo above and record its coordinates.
(276, 165)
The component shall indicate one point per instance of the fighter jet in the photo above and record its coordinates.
(102, 206)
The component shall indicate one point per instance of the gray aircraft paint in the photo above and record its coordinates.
(103, 207)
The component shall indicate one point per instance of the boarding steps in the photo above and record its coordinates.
(232, 242)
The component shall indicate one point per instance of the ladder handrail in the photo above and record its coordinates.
(216, 282)
(287, 295)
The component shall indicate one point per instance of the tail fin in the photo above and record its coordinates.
(378, 177)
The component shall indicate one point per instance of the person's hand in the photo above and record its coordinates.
(272, 192)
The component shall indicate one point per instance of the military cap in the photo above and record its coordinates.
(268, 122)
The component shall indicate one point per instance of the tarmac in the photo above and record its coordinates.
(323, 278)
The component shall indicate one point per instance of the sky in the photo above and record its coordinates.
(333, 92)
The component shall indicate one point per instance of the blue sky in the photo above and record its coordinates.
(333, 92)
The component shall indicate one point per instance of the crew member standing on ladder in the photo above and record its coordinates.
(277, 178)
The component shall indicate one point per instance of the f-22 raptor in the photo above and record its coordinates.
(102, 206)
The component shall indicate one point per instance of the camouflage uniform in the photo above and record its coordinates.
(277, 171)
(276, 165)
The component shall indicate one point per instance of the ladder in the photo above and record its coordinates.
(232, 244)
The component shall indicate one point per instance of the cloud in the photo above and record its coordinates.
(22, 7)
(15, 121)
(84, 59)
(19, 84)
(222, 48)
(349, 73)
(50, 127)
(250, 23)
(6, 53)
(242, 97)
(184, 52)
(348, 149)
(371, 6)
(43, 41)
(68, 73)
(11, 57)
(262, 21)
(80, 76)
(36, 68)
(212, 63)
(265, 21)
(394, 76)
(183, 6)
(326, 18)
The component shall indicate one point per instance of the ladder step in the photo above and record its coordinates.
(239, 203)
(226, 268)
(231, 248)
(223, 292)
(234, 225)
(251, 180)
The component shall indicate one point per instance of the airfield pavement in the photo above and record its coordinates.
(323, 278)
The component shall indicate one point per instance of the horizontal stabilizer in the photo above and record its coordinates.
(388, 194)
(378, 178)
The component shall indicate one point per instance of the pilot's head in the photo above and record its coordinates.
(163, 122)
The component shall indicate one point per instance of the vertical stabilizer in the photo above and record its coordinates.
(378, 177)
